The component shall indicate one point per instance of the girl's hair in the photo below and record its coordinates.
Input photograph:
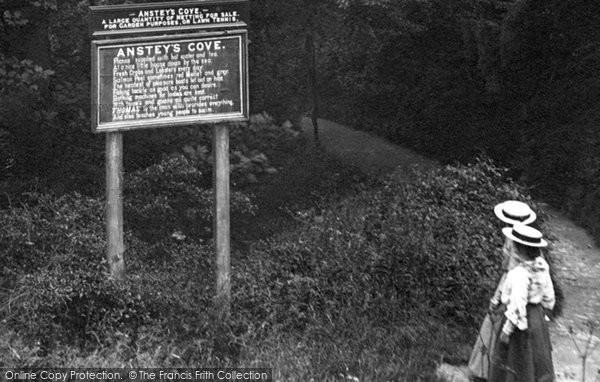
(526, 251)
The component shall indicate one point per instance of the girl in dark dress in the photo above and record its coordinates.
(523, 352)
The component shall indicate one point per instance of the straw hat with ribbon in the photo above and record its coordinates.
(513, 211)
(525, 235)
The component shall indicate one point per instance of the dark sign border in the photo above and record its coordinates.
(172, 121)
(99, 12)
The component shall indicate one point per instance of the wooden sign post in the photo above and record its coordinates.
(167, 64)
(221, 218)
(114, 205)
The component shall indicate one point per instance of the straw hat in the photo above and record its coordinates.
(513, 211)
(525, 235)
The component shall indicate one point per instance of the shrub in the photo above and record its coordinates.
(57, 288)
(434, 243)
(54, 276)
(411, 265)
(171, 196)
(251, 145)
(53, 251)
(44, 226)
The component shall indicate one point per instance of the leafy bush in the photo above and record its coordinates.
(53, 252)
(36, 231)
(53, 263)
(171, 195)
(53, 266)
(176, 193)
(251, 145)
(410, 265)
(384, 251)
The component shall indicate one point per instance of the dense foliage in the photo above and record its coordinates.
(44, 92)
(53, 247)
(392, 268)
(54, 270)
(430, 243)
(517, 80)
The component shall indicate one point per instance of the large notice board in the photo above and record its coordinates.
(169, 80)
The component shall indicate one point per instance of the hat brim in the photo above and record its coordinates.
(500, 215)
(507, 231)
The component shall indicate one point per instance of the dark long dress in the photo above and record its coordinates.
(528, 355)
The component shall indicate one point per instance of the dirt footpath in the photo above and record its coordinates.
(373, 155)
(577, 258)
(577, 265)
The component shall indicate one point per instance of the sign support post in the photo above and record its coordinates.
(221, 218)
(114, 205)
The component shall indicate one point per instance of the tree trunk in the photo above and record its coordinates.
(312, 73)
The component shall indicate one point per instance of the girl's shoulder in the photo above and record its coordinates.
(540, 263)
(517, 271)
(528, 269)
